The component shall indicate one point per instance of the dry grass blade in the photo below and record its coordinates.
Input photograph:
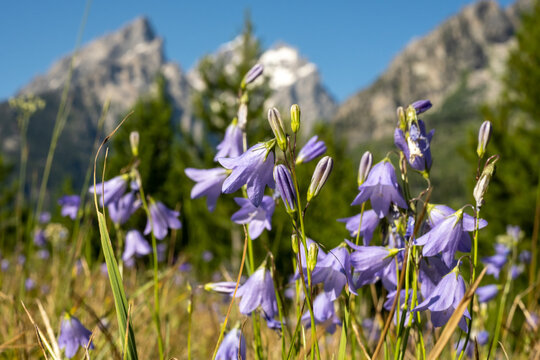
(41, 339)
(7, 344)
(454, 319)
(50, 332)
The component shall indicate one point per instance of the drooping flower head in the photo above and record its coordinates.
(334, 271)
(253, 168)
(136, 245)
(324, 313)
(445, 237)
(487, 293)
(70, 205)
(111, 190)
(257, 218)
(121, 210)
(72, 335)
(209, 183)
(313, 148)
(231, 146)
(370, 220)
(258, 291)
(381, 187)
(233, 346)
(421, 106)
(39, 237)
(163, 219)
(444, 299)
(44, 217)
(370, 263)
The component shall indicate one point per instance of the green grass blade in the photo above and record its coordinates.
(120, 300)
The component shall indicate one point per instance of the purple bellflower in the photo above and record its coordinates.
(44, 217)
(496, 262)
(209, 183)
(415, 144)
(39, 237)
(334, 271)
(254, 169)
(370, 262)
(487, 293)
(324, 313)
(70, 205)
(431, 273)
(111, 190)
(222, 287)
(370, 220)
(525, 256)
(121, 210)
(313, 149)
(136, 245)
(233, 346)
(163, 218)
(381, 187)
(256, 218)
(445, 237)
(72, 335)
(231, 146)
(320, 256)
(257, 291)
(444, 299)
(29, 284)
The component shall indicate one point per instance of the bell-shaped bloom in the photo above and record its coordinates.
(254, 169)
(44, 217)
(231, 146)
(72, 335)
(313, 149)
(323, 312)
(496, 262)
(444, 299)
(70, 205)
(370, 262)
(111, 190)
(39, 237)
(320, 256)
(514, 231)
(43, 254)
(415, 144)
(136, 245)
(29, 284)
(285, 187)
(121, 210)
(445, 237)
(431, 272)
(525, 256)
(370, 220)
(334, 271)
(487, 293)
(163, 219)
(256, 218)
(233, 346)
(257, 291)
(381, 187)
(209, 183)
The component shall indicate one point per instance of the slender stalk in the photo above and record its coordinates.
(534, 241)
(360, 223)
(156, 316)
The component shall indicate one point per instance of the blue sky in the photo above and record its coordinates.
(351, 42)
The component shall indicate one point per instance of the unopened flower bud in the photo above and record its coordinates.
(223, 287)
(484, 134)
(313, 251)
(421, 106)
(285, 186)
(242, 116)
(481, 186)
(134, 142)
(295, 118)
(274, 118)
(252, 75)
(294, 243)
(365, 167)
(320, 175)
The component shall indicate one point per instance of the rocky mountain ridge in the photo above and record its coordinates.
(471, 46)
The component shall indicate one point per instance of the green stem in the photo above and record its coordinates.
(360, 223)
(156, 316)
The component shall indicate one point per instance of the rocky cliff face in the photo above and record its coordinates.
(472, 44)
